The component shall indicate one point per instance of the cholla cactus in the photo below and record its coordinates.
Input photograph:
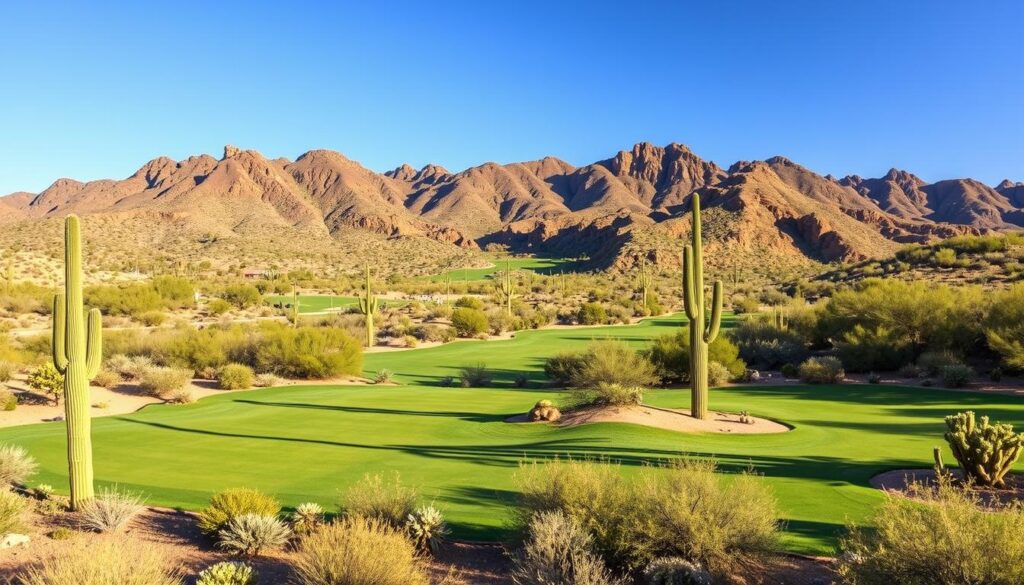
(77, 355)
(307, 517)
(986, 452)
(507, 288)
(675, 571)
(701, 334)
(644, 280)
(368, 307)
(228, 573)
(427, 528)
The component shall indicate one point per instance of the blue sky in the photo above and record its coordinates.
(934, 87)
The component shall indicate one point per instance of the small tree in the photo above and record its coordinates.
(47, 379)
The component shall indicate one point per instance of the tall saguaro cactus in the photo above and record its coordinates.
(507, 288)
(701, 334)
(644, 280)
(77, 354)
(368, 306)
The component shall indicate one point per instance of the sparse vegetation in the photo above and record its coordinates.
(358, 551)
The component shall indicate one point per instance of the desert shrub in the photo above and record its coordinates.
(434, 333)
(943, 536)
(12, 511)
(218, 306)
(469, 322)
(469, 303)
(107, 379)
(557, 550)
(265, 380)
(8, 399)
(307, 517)
(161, 381)
(373, 497)
(607, 394)
(986, 452)
(822, 370)
(670, 355)
(932, 362)
(864, 350)
(764, 345)
(592, 314)
(956, 376)
(475, 376)
(251, 534)
(718, 374)
(383, 376)
(675, 571)
(427, 529)
(46, 378)
(7, 370)
(235, 502)
(16, 466)
(1004, 327)
(235, 377)
(564, 367)
(106, 560)
(110, 511)
(228, 573)
(790, 370)
(357, 551)
(610, 361)
(152, 318)
(307, 352)
(242, 295)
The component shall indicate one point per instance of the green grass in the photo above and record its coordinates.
(308, 442)
(538, 265)
(321, 303)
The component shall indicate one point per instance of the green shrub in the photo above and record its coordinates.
(228, 573)
(956, 376)
(670, 355)
(218, 306)
(1004, 327)
(308, 352)
(242, 296)
(235, 502)
(764, 345)
(357, 551)
(120, 561)
(475, 376)
(592, 314)
(107, 379)
(8, 399)
(383, 376)
(16, 466)
(607, 394)
(675, 571)
(373, 497)
(46, 378)
(7, 370)
(558, 550)
(251, 534)
(152, 318)
(427, 529)
(12, 511)
(718, 374)
(611, 361)
(470, 322)
(942, 536)
(162, 381)
(469, 303)
(932, 362)
(865, 350)
(307, 517)
(986, 452)
(790, 370)
(564, 367)
(235, 377)
(110, 511)
(822, 370)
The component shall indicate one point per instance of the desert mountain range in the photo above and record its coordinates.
(635, 202)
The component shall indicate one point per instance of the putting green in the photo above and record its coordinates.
(323, 303)
(538, 265)
(306, 442)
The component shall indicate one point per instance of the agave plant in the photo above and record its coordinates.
(427, 528)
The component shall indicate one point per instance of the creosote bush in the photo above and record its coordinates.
(822, 370)
(235, 502)
(120, 561)
(558, 550)
(469, 322)
(235, 377)
(670, 355)
(12, 511)
(357, 551)
(942, 535)
(161, 381)
(607, 394)
(475, 376)
(373, 497)
(607, 361)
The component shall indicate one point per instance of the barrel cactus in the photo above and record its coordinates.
(986, 452)
(77, 354)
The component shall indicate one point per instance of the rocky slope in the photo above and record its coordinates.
(765, 214)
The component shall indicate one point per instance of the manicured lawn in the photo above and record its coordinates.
(306, 443)
(538, 265)
(320, 303)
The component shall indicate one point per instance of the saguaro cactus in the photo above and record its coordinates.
(986, 452)
(693, 300)
(77, 355)
(644, 280)
(368, 306)
(507, 288)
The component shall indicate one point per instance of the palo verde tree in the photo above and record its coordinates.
(77, 355)
(507, 288)
(368, 306)
(701, 334)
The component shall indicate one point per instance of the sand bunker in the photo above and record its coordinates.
(664, 418)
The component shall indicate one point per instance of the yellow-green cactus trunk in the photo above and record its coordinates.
(368, 306)
(77, 354)
(701, 335)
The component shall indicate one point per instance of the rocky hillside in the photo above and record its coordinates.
(765, 215)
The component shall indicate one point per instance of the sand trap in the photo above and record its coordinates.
(899, 480)
(664, 418)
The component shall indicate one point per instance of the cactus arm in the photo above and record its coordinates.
(94, 344)
(60, 358)
(716, 313)
(689, 294)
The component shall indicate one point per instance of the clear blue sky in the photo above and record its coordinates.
(936, 87)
